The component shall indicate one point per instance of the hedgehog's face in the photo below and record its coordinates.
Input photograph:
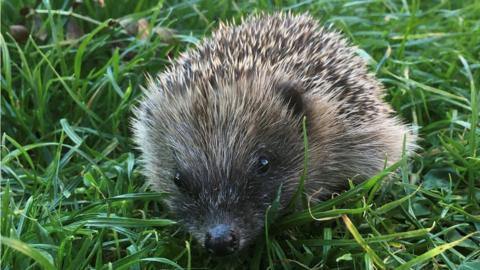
(223, 154)
(223, 205)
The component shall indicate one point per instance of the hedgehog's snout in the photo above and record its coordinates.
(222, 239)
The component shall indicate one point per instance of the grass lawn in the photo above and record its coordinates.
(73, 197)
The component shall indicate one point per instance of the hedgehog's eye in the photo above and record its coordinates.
(263, 165)
(178, 179)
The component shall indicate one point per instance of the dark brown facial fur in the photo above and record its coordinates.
(221, 128)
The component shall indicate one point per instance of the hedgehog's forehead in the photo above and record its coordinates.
(220, 123)
(216, 122)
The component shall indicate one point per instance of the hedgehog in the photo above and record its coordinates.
(221, 131)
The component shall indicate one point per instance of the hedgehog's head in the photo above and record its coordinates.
(222, 150)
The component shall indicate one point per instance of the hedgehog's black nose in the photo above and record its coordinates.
(221, 240)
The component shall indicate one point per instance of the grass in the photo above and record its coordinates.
(72, 196)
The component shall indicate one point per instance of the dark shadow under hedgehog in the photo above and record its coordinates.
(220, 129)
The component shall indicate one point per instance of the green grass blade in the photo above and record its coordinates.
(473, 136)
(106, 222)
(371, 253)
(28, 250)
(432, 253)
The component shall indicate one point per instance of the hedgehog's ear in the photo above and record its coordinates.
(291, 93)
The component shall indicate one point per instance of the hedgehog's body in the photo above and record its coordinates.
(221, 128)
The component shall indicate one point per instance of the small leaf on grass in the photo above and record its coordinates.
(432, 253)
(19, 32)
(143, 29)
(344, 257)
